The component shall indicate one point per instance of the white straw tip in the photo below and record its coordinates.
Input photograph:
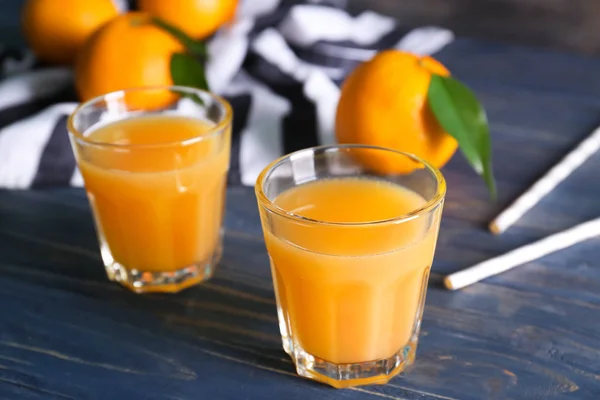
(495, 228)
(449, 283)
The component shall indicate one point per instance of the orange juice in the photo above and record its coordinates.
(158, 194)
(349, 291)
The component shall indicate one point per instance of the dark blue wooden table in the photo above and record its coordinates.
(532, 333)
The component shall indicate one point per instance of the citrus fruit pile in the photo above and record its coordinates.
(397, 99)
(111, 50)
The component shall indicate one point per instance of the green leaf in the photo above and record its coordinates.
(195, 47)
(187, 70)
(461, 115)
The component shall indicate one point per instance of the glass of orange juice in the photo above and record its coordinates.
(351, 232)
(154, 162)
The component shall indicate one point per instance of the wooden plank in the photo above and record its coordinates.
(566, 24)
(496, 334)
(524, 68)
(484, 327)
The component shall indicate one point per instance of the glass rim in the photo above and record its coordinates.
(429, 205)
(214, 131)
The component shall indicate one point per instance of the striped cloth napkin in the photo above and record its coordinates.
(280, 65)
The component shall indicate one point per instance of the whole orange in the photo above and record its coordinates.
(197, 18)
(127, 52)
(383, 102)
(55, 31)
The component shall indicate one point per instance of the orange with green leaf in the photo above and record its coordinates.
(138, 50)
(411, 103)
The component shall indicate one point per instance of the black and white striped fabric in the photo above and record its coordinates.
(280, 65)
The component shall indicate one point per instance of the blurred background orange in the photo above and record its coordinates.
(56, 31)
(198, 19)
(126, 52)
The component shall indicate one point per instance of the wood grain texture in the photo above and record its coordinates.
(565, 24)
(532, 333)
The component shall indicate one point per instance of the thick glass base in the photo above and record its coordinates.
(160, 281)
(355, 374)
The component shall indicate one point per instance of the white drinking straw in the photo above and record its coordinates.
(548, 182)
(522, 255)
